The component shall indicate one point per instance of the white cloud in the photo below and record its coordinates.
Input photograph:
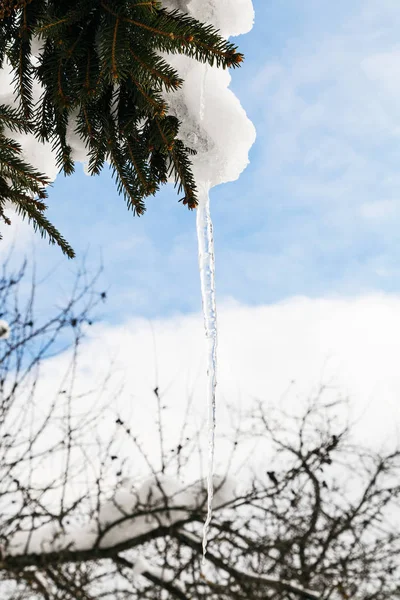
(384, 68)
(329, 106)
(379, 211)
(281, 353)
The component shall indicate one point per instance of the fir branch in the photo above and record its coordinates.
(60, 145)
(184, 179)
(27, 209)
(124, 182)
(20, 182)
(158, 105)
(102, 62)
(114, 68)
(181, 168)
(170, 79)
(52, 25)
(12, 165)
(10, 118)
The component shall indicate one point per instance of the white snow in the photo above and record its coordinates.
(4, 330)
(141, 565)
(231, 17)
(225, 490)
(132, 511)
(45, 538)
(124, 502)
(213, 121)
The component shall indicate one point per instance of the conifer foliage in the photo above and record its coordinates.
(21, 184)
(101, 69)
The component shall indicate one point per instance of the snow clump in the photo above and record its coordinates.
(133, 510)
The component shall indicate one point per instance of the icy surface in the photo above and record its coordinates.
(133, 510)
(207, 279)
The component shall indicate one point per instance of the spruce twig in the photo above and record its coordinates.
(101, 65)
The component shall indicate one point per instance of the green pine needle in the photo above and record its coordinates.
(102, 65)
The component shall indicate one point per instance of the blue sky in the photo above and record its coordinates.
(316, 213)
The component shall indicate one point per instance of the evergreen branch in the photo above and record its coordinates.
(173, 81)
(189, 36)
(60, 145)
(10, 145)
(27, 209)
(12, 164)
(13, 120)
(51, 25)
(148, 27)
(100, 77)
(164, 138)
(70, 51)
(97, 155)
(89, 128)
(151, 4)
(7, 8)
(44, 117)
(59, 82)
(24, 87)
(87, 81)
(231, 57)
(145, 184)
(181, 165)
(228, 53)
(124, 184)
(184, 179)
(114, 69)
(19, 57)
(159, 106)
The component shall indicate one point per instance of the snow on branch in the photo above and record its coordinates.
(130, 517)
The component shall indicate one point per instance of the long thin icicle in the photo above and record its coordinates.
(207, 278)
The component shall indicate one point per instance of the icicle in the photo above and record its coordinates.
(207, 278)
